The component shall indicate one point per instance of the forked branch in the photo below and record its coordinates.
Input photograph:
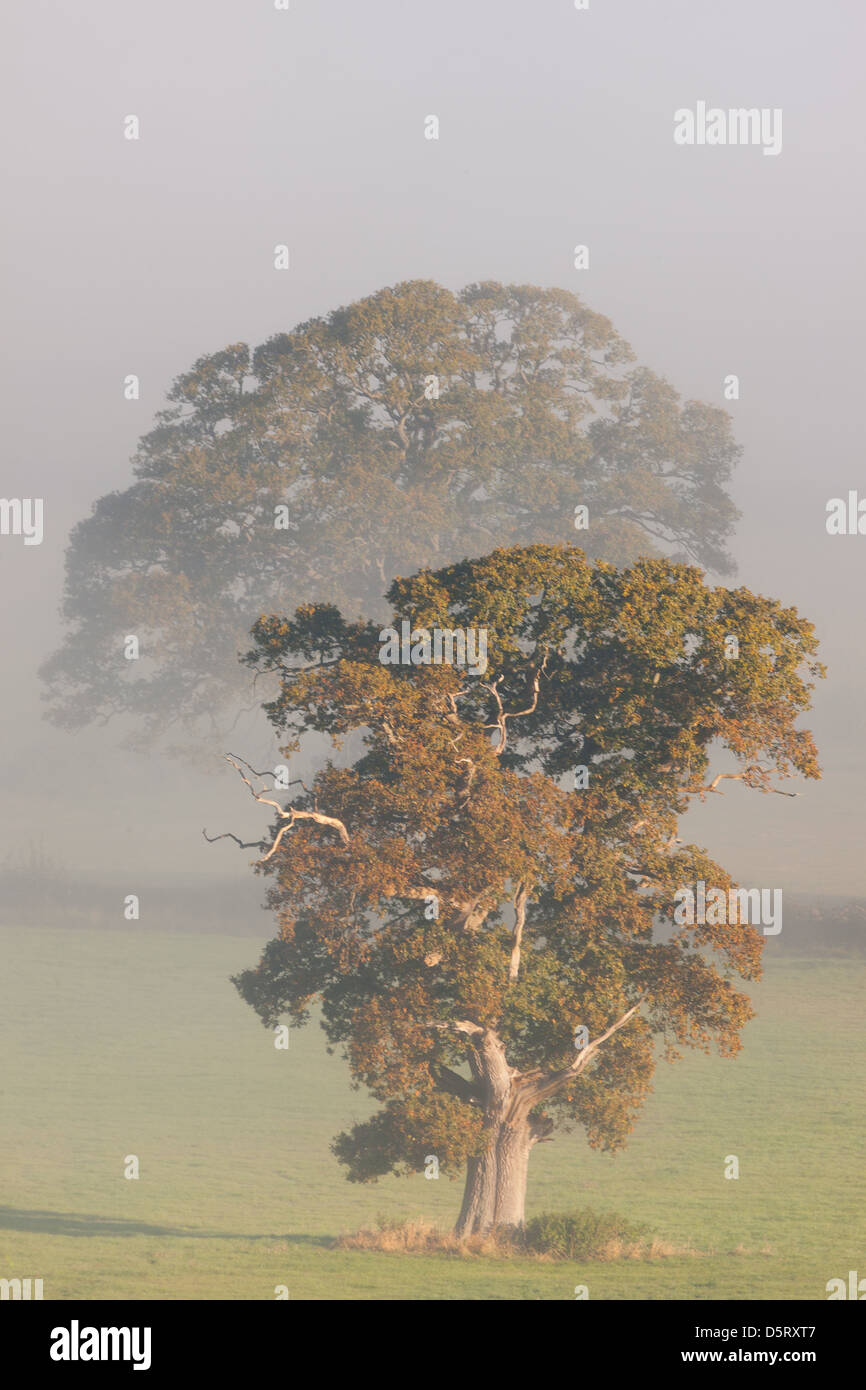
(548, 1085)
(290, 815)
(503, 715)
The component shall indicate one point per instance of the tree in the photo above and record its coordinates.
(411, 428)
(492, 939)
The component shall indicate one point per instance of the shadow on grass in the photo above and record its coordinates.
(60, 1223)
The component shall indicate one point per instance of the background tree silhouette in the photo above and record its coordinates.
(412, 428)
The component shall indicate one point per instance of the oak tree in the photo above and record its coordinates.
(411, 428)
(478, 891)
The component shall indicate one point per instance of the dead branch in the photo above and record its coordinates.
(290, 814)
(457, 1025)
(519, 922)
(548, 1085)
(503, 715)
(754, 777)
(227, 835)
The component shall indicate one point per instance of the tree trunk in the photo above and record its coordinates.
(495, 1193)
(479, 1197)
(512, 1171)
(496, 1180)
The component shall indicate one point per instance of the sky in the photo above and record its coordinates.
(261, 126)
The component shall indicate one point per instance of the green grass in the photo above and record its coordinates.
(136, 1043)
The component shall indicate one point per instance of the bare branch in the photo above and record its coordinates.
(548, 1085)
(269, 772)
(227, 835)
(519, 922)
(294, 814)
(277, 842)
(582, 1057)
(289, 814)
(754, 777)
(236, 764)
(457, 1025)
(503, 716)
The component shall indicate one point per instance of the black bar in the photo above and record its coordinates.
(250, 1338)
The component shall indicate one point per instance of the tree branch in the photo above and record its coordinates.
(548, 1085)
(456, 1025)
(503, 716)
(519, 922)
(456, 1085)
(290, 814)
(754, 777)
(227, 835)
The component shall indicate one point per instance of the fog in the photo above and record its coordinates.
(307, 127)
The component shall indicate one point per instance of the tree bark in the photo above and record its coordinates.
(495, 1193)
(479, 1197)
(512, 1171)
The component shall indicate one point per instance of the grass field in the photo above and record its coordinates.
(136, 1043)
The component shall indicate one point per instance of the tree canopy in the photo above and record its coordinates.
(460, 905)
(409, 429)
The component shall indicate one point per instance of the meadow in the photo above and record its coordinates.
(135, 1043)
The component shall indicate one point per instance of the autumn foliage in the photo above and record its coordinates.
(479, 910)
